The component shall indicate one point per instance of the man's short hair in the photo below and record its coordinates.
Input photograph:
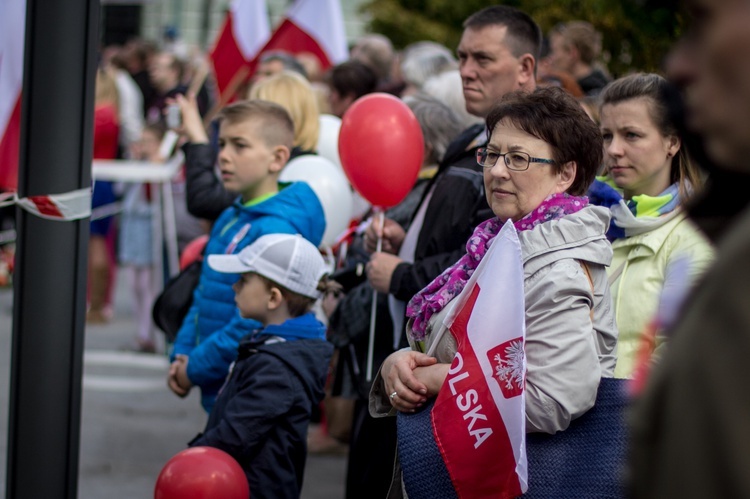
(276, 127)
(353, 78)
(524, 36)
(376, 51)
(287, 60)
(422, 60)
(583, 36)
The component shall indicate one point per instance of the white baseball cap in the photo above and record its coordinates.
(288, 260)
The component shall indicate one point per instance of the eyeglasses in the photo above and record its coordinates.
(514, 160)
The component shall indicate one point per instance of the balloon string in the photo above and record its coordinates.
(374, 308)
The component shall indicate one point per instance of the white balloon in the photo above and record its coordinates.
(330, 185)
(328, 140)
(360, 206)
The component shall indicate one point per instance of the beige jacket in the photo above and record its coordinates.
(566, 352)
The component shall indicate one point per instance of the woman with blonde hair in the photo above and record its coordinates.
(294, 93)
(646, 163)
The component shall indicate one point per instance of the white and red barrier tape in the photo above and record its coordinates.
(73, 205)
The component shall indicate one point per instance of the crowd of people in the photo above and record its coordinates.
(624, 193)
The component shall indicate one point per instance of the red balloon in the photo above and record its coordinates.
(202, 473)
(381, 148)
(193, 251)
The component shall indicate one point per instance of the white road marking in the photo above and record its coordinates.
(122, 384)
(125, 359)
(156, 367)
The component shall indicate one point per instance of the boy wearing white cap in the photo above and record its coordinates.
(262, 412)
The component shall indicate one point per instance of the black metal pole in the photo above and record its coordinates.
(50, 285)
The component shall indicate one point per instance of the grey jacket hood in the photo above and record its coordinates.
(580, 236)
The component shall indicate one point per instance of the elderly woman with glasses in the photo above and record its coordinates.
(542, 155)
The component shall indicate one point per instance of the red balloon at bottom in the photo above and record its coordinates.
(202, 473)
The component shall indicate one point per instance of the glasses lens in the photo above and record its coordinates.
(485, 157)
(517, 160)
(481, 155)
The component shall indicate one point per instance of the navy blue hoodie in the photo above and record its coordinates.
(263, 410)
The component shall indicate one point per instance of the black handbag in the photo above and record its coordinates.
(172, 305)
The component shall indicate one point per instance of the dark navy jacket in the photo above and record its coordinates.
(458, 204)
(262, 412)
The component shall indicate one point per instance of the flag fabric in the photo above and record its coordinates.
(478, 422)
(12, 36)
(311, 26)
(244, 32)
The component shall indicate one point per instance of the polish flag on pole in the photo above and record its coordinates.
(12, 31)
(315, 27)
(244, 32)
(479, 420)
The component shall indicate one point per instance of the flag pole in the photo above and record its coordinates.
(239, 78)
(374, 308)
(199, 78)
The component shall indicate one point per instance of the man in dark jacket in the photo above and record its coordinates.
(497, 55)
(691, 430)
(263, 411)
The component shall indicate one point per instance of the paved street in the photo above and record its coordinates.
(131, 424)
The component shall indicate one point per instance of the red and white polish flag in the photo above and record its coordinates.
(12, 30)
(479, 419)
(244, 32)
(311, 26)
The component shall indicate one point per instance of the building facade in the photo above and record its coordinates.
(195, 22)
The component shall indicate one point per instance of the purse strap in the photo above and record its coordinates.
(587, 271)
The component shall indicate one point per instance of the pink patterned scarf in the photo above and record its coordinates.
(449, 284)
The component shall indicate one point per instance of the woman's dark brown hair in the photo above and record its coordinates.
(552, 115)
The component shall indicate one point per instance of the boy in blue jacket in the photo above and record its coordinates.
(263, 410)
(255, 139)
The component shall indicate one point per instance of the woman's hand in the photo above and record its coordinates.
(405, 390)
(432, 377)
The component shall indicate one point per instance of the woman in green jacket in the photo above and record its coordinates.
(657, 251)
